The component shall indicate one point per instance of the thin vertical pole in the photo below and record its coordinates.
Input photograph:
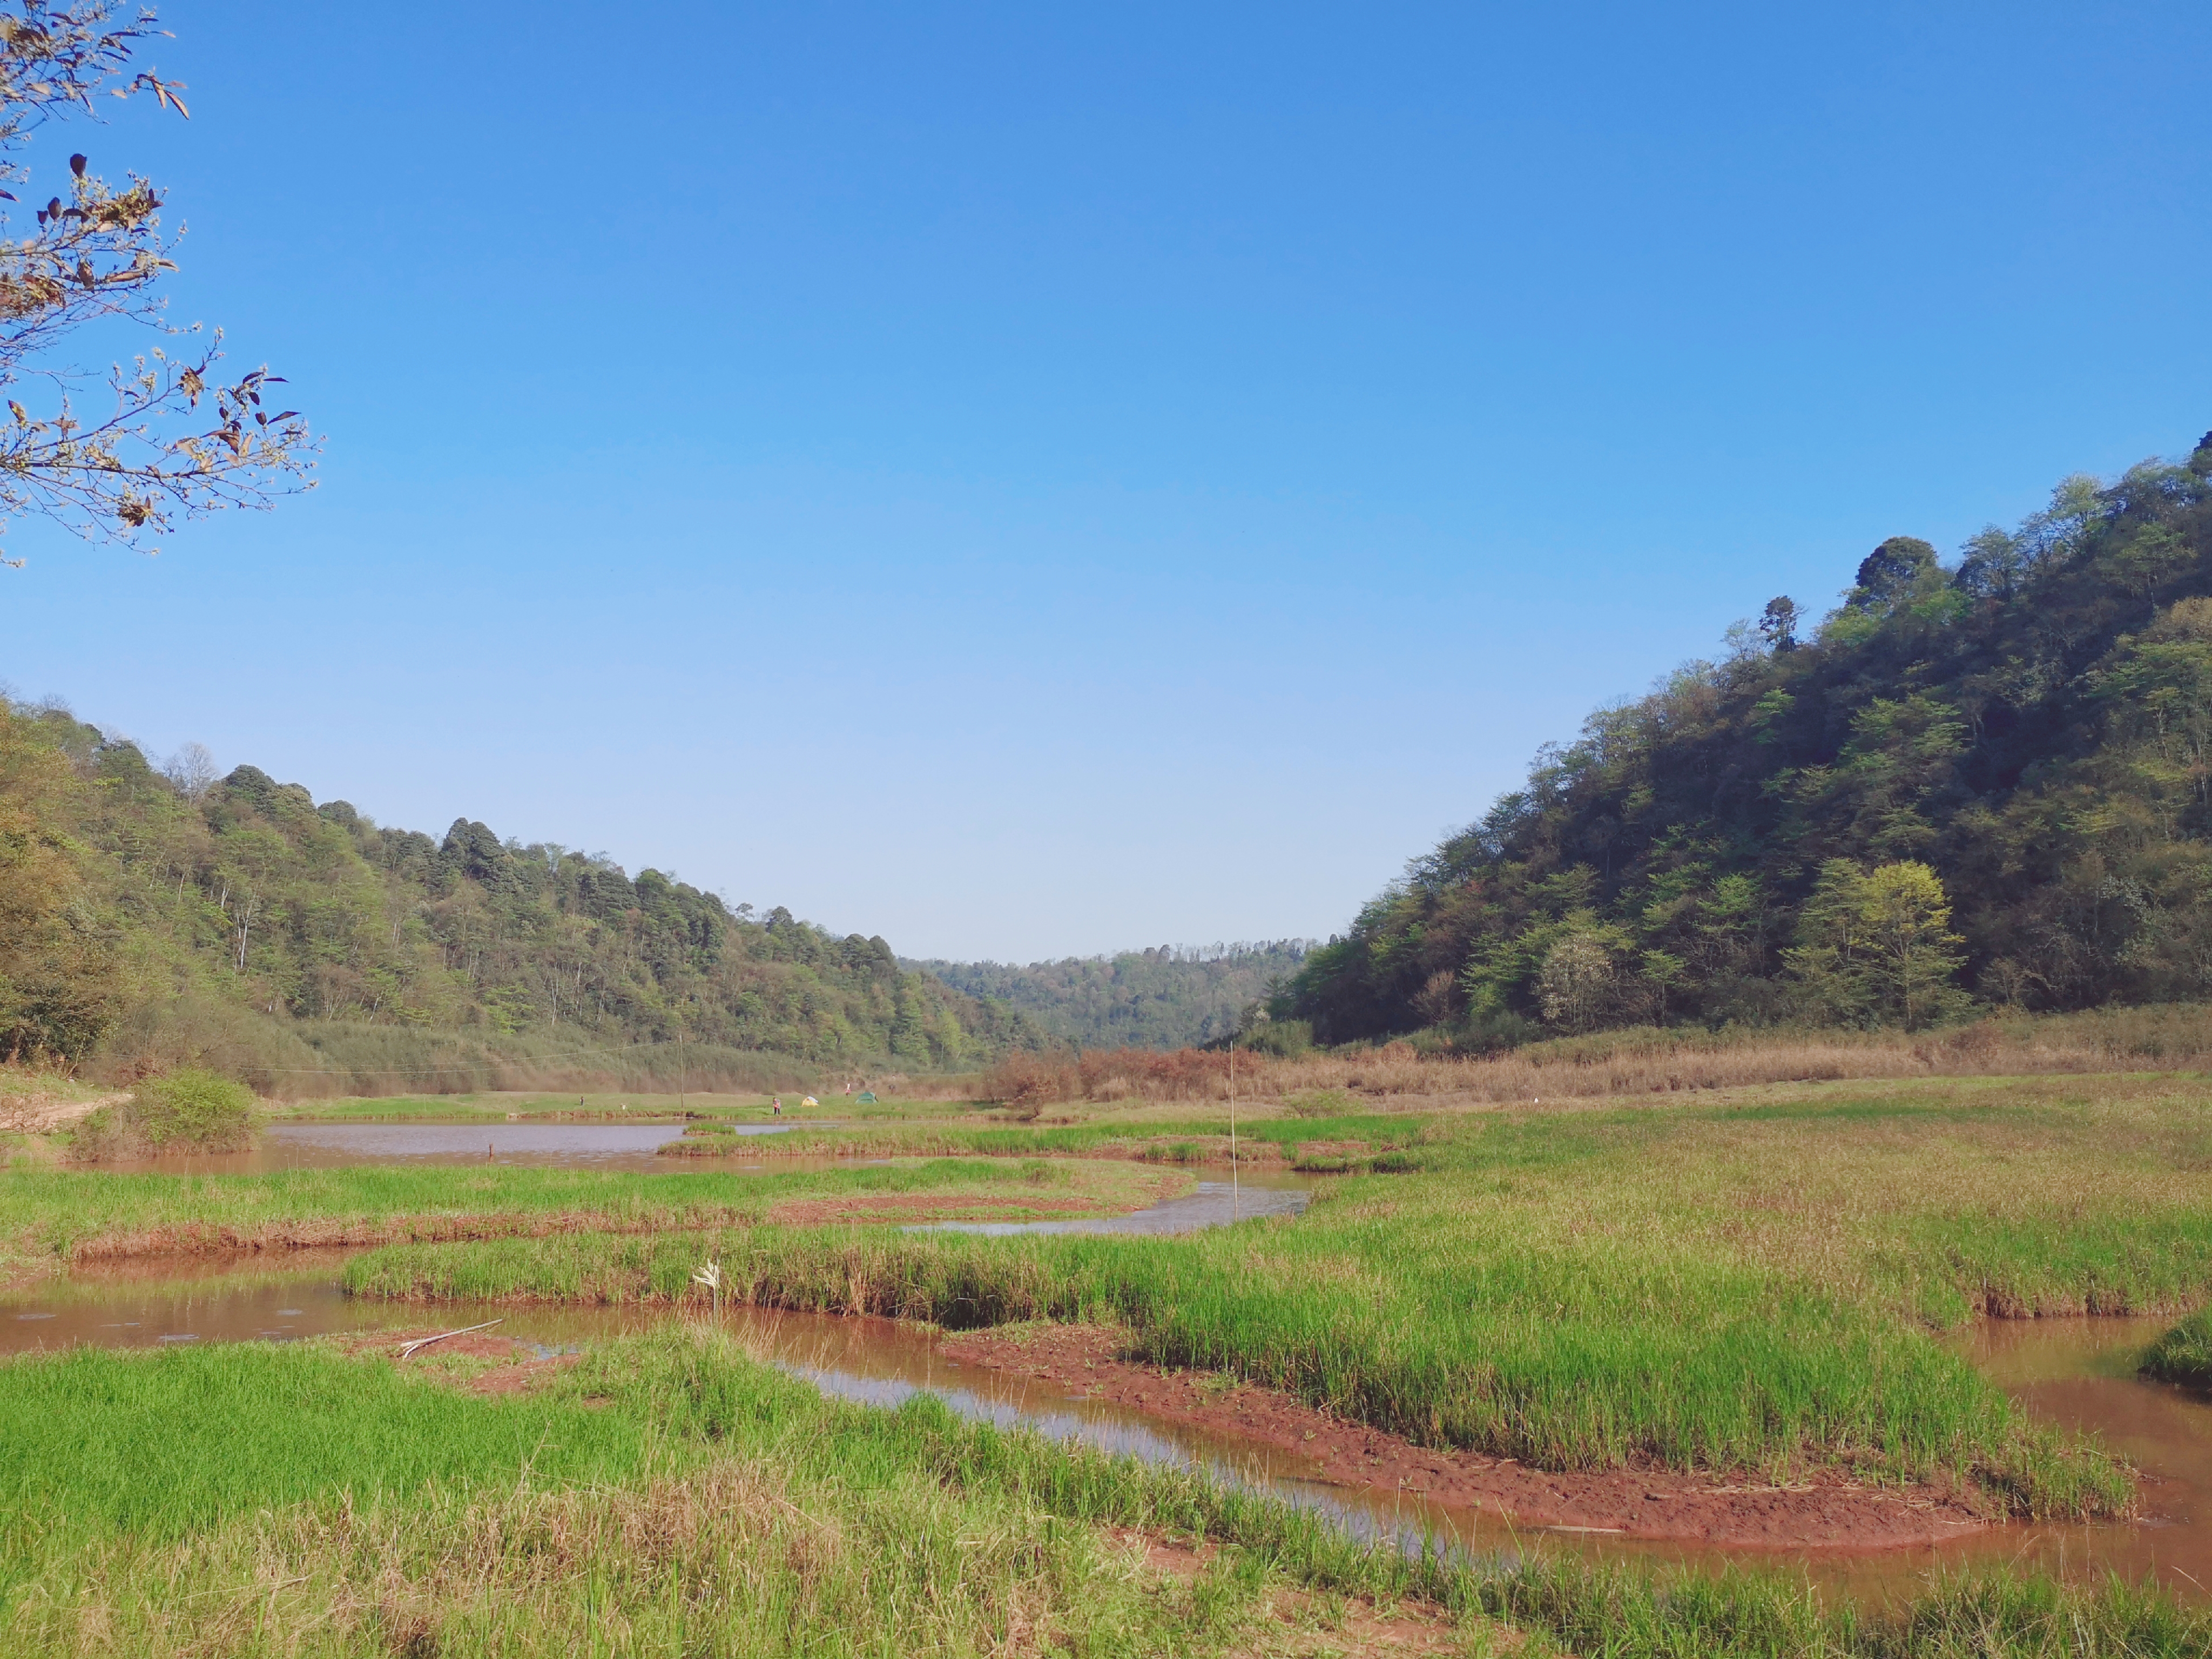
(1235, 1193)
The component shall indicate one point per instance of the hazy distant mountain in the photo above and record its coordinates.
(1165, 998)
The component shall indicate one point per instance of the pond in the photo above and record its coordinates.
(335, 1146)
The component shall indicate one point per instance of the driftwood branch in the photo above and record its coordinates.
(407, 1348)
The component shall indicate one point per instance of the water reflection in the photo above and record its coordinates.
(341, 1146)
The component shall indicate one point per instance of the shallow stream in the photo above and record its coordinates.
(2076, 1372)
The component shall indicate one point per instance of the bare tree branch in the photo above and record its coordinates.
(124, 455)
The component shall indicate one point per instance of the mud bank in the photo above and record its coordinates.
(1827, 1511)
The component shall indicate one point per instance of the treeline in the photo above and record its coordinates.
(1981, 782)
(1168, 997)
(146, 919)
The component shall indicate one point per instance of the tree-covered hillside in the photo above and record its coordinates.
(1167, 998)
(138, 909)
(1985, 780)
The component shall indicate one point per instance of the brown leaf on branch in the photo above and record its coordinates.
(107, 461)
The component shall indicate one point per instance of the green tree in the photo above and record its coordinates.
(1875, 947)
(1912, 956)
(58, 973)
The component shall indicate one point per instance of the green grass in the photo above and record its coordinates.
(2183, 1355)
(163, 1445)
(1708, 1287)
(49, 1214)
(671, 1495)
(1168, 1140)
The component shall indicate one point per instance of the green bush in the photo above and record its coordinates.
(191, 1110)
(1321, 1102)
(1286, 1039)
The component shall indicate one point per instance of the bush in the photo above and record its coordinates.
(187, 1111)
(1321, 1102)
(1284, 1039)
(1024, 1082)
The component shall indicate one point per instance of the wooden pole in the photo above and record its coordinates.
(1235, 1193)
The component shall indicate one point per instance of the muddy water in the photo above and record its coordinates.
(2076, 1372)
(1209, 1204)
(335, 1146)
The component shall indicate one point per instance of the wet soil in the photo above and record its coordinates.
(281, 1236)
(1826, 1509)
(481, 1362)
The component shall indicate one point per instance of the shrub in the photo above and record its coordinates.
(1024, 1082)
(1320, 1102)
(1284, 1039)
(189, 1110)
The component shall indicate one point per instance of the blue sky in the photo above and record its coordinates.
(1027, 482)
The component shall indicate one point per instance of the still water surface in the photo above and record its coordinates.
(1209, 1204)
(338, 1145)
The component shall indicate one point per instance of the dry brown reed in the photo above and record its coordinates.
(1639, 1061)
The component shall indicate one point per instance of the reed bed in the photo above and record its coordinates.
(705, 1504)
(1640, 1061)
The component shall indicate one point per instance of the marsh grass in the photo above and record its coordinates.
(671, 1494)
(2183, 1355)
(50, 1214)
(1179, 1139)
(1747, 1287)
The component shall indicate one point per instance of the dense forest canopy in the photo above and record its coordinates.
(1170, 997)
(1987, 780)
(131, 897)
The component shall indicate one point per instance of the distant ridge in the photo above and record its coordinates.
(1170, 996)
(149, 915)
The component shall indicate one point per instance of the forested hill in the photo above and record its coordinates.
(144, 916)
(1165, 998)
(1984, 779)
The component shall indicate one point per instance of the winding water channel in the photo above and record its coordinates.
(2077, 1372)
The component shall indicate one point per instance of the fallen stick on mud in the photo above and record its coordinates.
(407, 1348)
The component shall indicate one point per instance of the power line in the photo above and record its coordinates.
(475, 1065)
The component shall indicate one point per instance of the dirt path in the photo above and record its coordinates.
(38, 1115)
(1826, 1510)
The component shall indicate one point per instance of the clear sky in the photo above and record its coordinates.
(1035, 480)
